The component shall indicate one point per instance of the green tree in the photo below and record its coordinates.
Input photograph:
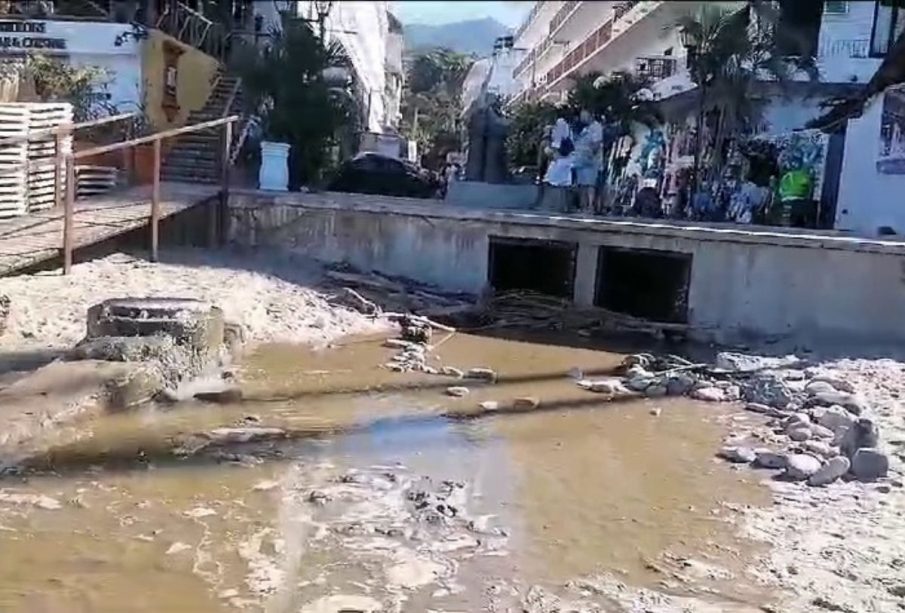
(526, 130)
(84, 87)
(735, 50)
(432, 102)
(285, 84)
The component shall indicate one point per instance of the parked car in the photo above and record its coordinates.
(373, 173)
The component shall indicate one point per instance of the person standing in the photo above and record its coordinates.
(588, 151)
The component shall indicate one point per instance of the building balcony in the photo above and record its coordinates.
(622, 21)
(656, 68)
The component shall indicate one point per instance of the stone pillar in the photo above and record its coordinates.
(585, 275)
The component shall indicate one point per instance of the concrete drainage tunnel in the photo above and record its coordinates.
(643, 283)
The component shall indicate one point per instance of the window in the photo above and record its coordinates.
(889, 23)
(835, 7)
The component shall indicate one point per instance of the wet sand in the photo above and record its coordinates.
(576, 488)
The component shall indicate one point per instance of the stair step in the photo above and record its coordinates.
(171, 174)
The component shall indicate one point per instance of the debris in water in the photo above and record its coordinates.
(457, 392)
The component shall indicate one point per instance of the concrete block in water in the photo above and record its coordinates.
(195, 324)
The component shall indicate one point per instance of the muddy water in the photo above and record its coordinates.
(577, 488)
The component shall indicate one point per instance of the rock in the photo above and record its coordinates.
(863, 433)
(429, 370)
(818, 448)
(228, 395)
(639, 384)
(756, 407)
(829, 472)
(489, 405)
(679, 385)
(199, 512)
(869, 464)
(655, 411)
(816, 387)
(769, 390)
(732, 393)
(234, 338)
(451, 371)
(4, 312)
(738, 455)
(638, 371)
(801, 466)
(818, 431)
(610, 386)
(484, 374)
(741, 362)
(398, 343)
(837, 419)
(708, 394)
(838, 384)
(850, 402)
(798, 419)
(416, 333)
(655, 391)
(264, 486)
(799, 433)
(457, 391)
(767, 458)
(526, 403)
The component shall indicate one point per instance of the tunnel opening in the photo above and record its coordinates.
(644, 283)
(547, 267)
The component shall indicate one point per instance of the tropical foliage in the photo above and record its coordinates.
(285, 84)
(84, 87)
(734, 51)
(526, 129)
(432, 102)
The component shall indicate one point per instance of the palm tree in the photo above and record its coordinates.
(734, 50)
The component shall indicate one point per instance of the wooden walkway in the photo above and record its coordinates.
(34, 238)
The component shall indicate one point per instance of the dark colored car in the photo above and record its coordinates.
(372, 173)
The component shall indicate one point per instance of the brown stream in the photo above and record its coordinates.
(576, 488)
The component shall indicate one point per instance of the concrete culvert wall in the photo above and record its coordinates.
(644, 283)
(542, 266)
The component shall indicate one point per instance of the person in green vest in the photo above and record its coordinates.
(795, 194)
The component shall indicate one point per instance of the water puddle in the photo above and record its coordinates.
(375, 503)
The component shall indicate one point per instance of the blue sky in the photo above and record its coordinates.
(414, 11)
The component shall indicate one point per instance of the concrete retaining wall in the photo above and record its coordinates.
(745, 282)
(480, 195)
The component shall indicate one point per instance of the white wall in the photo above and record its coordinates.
(93, 44)
(867, 198)
(843, 38)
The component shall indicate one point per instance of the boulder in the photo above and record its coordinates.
(800, 466)
(451, 371)
(4, 312)
(708, 394)
(737, 455)
(134, 388)
(489, 405)
(822, 432)
(819, 448)
(837, 419)
(655, 391)
(639, 384)
(799, 433)
(457, 391)
(839, 384)
(863, 433)
(767, 458)
(869, 464)
(679, 385)
(816, 387)
(834, 469)
(769, 390)
(850, 402)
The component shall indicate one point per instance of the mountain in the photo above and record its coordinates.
(475, 36)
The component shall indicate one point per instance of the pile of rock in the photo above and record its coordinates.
(819, 429)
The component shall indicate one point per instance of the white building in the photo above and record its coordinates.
(363, 28)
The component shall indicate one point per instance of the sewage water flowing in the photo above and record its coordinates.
(375, 500)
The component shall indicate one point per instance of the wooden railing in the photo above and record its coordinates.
(68, 161)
